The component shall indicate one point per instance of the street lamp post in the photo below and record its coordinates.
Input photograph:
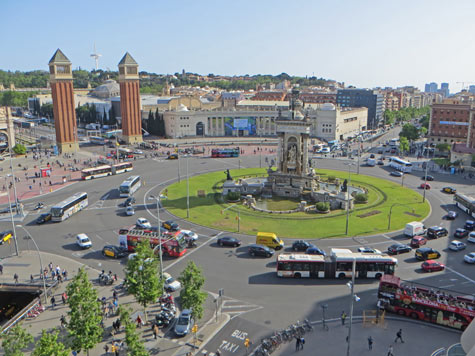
(41, 261)
(157, 199)
(187, 190)
(13, 223)
(348, 198)
(10, 148)
(238, 216)
(391, 210)
(353, 298)
(425, 175)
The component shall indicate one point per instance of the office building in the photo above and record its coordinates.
(444, 88)
(431, 88)
(371, 99)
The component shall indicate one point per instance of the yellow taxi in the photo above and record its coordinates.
(5, 236)
(114, 251)
(173, 156)
(449, 190)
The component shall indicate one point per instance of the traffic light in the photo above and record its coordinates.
(247, 342)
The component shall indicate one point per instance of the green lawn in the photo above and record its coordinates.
(365, 219)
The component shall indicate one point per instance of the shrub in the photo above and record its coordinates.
(19, 149)
(361, 198)
(322, 206)
(331, 179)
(233, 196)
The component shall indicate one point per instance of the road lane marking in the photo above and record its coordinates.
(460, 274)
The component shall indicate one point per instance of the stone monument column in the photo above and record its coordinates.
(130, 100)
(64, 110)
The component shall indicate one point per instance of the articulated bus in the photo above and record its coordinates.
(400, 164)
(68, 207)
(225, 152)
(96, 140)
(338, 265)
(433, 304)
(129, 186)
(465, 203)
(173, 244)
(106, 170)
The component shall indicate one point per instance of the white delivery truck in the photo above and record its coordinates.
(414, 228)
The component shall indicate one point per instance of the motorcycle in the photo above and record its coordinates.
(106, 279)
(39, 206)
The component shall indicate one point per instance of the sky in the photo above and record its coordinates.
(364, 43)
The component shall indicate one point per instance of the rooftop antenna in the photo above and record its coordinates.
(96, 56)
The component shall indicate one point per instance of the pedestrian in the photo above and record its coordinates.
(53, 302)
(297, 343)
(217, 353)
(15, 277)
(155, 331)
(64, 297)
(1, 269)
(31, 278)
(343, 317)
(390, 351)
(114, 295)
(302, 342)
(113, 348)
(370, 342)
(50, 265)
(106, 348)
(399, 336)
(116, 352)
(139, 321)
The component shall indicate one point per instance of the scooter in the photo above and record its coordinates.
(39, 206)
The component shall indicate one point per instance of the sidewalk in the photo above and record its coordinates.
(28, 263)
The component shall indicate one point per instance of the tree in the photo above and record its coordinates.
(410, 132)
(191, 295)
(15, 340)
(142, 275)
(19, 149)
(49, 345)
(423, 131)
(322, 206)
(84, 326)
(389, 117)
(135, 346)
(443, 147)
(403, 144)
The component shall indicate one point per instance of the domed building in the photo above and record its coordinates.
(108, 90)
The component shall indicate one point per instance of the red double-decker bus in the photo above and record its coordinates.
(173, 244)
(435, 305)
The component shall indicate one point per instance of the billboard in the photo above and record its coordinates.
(241, 124)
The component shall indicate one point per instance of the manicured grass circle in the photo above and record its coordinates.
(366, 219)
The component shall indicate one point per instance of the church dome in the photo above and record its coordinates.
(328, 107)
(109, 89)
(182, 107)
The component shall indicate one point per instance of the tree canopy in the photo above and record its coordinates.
(410, 132)
(49, 345)
(15, 340)
(191, 295)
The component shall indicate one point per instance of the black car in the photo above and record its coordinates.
(260, 250)
(469, 225)
(431, 178)
(43, 218)
(129, 201)
(460, 233)
(229, 241)
(371, 155)
(380, 163)
(451, 215)
(171, 225)
(396, 249)
(396, 174)
(435, 232)
(300, 245)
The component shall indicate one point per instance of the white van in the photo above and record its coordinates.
(414, 228)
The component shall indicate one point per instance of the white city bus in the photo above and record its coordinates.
(97, 140)
(68, 207)
(465, 203)
(122, 167)
(96, 172)
(400, 164)
(130, 186)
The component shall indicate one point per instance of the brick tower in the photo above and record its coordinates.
(130, 99)
(61, 78)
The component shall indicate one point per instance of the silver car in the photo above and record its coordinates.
(184, 323)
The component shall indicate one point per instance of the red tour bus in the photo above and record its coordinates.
(173, 244)
(435, 305)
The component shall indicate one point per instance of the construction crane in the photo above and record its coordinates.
(463, 84)
(96, 56)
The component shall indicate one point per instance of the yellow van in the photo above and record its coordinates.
(269, 239)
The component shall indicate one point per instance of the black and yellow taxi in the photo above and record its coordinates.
(114, 251)
(449, 190)
(43, 218)
(5, 236)
(173, 156)
(426, 253)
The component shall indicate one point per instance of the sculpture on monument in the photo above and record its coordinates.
(344, 187)
(292, 153)
(228, 175)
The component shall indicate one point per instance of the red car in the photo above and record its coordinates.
(418, 241)
(431, 266)
(425, 185)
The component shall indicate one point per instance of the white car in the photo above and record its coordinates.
(170, 283)
(189, 235)
(325, 150)
(129, 211)
(456, 245)
(138, 152)
(471, 237)
(143, 223)
(83, 241)
(368, 250)
(470, 258)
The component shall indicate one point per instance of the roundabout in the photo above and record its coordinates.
(208, 207)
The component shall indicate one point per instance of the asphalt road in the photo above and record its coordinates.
(251, 288)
